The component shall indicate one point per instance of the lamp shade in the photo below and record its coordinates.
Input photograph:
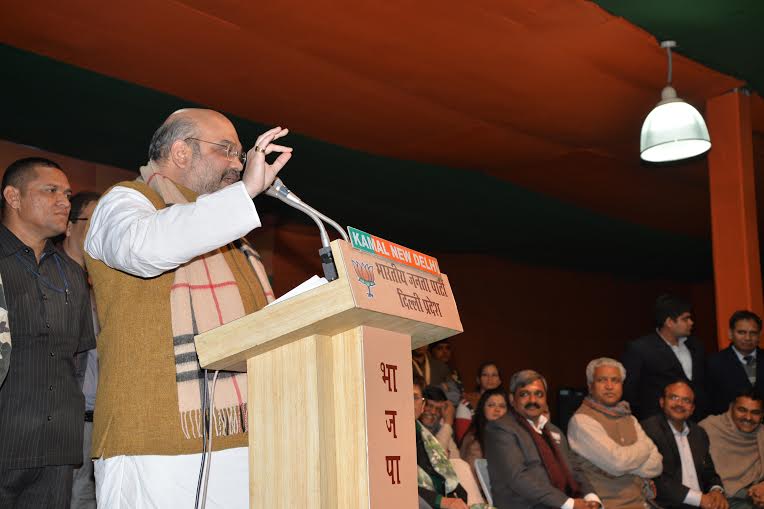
(673, 130)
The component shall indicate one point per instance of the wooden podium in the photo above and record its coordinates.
(329, 383)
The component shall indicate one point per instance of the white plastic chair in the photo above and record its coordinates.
(481, 467)
(468, 481)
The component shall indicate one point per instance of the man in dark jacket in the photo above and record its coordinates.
(529, 458)
(689, 478)
(736, 368)
(668, 354)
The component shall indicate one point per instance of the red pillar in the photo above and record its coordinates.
(737, 269)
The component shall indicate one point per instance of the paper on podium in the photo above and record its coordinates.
(311, 283)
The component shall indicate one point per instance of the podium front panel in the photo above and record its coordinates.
(390, 419)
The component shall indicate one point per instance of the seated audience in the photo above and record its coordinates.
(492, 405)
(488, 377)
(689, 478)
(438, 417)
(737, 448)
(441, 351)
(528, 457)
(611, 447)
(432, 370)
(736, 368)
(437, 482)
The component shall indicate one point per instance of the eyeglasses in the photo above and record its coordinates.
(676, 397)
(231, 152)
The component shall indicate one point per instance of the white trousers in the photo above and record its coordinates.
(159, 482)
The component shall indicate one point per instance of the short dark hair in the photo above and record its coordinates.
(678, 381)
(180, 128)
(525, 377)
(432, 346)
(79, 201)
(21, 171)
(751, 393)
(434, 393)
(744, 315)
(419, 382)
(669, 306)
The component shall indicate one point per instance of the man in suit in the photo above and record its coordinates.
(668, 354)
(528, 457)
(736, 368)
(689, 478)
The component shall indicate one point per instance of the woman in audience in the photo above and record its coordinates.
(492, 405)
(488, 377)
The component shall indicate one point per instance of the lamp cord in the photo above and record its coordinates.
(668, 50)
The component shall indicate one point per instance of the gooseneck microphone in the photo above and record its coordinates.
(281, 192)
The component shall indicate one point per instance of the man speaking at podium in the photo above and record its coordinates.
(167, 262)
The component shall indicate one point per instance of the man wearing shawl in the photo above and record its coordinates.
(528, 457)
(612, 449)
(737, 448)
(437, 481)
(167, 262)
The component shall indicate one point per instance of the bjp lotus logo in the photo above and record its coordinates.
(365, 273)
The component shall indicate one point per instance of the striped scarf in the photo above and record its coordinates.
(205, 295)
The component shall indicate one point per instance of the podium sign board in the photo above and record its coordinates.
(399, 291)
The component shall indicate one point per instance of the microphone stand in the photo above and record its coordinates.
(327, 259)
(285, 193)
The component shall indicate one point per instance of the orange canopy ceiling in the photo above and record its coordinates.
(548, 94)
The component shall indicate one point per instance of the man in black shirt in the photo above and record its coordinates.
(41, 404)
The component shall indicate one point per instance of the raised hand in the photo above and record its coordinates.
(259, 175)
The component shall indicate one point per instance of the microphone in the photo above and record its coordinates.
(281, 192)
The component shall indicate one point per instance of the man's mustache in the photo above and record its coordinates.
(528, 406)
(231, 173)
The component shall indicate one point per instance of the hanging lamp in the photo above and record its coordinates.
(674, 129)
